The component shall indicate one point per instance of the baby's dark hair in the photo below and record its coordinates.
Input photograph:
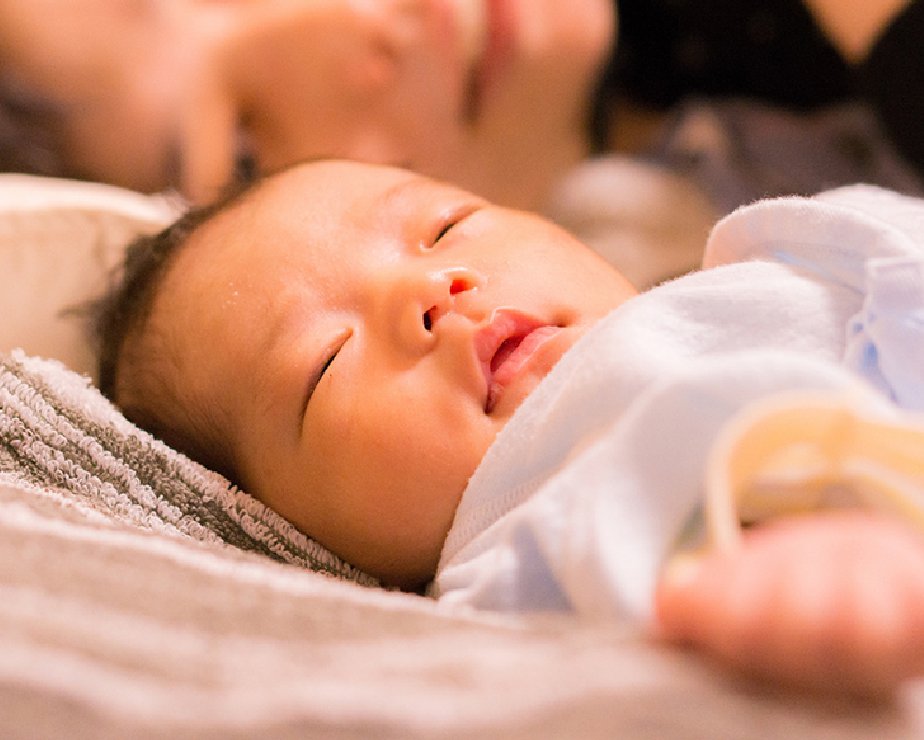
(122, 315)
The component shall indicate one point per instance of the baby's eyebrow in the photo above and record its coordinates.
(400, 190)
(396, 190)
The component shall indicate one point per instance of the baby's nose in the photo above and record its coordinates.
(449, 286)
(421, 301)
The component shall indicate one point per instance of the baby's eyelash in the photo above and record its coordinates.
(326, 365)
(318, 376)
(445, 230)
(451, 220)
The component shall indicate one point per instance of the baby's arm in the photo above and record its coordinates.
(830, 601)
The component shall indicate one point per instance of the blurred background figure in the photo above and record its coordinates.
(191, 93)
(720, 101)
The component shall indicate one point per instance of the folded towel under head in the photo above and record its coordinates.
(60, 436)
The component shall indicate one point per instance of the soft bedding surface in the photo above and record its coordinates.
(142, 597)
(63, 438)
(58, 241)
(137, 612)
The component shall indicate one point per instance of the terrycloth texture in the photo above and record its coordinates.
(120, 616)
(60, 436)
(587, 489)
(885, 337)
(110, 632)
(115, 622)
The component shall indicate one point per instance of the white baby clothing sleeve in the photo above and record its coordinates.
(886, 338)
(585, 491)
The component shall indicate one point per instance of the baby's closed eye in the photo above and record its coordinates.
(327, 358)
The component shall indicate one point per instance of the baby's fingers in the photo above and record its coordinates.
(833, 602)
(713, 604)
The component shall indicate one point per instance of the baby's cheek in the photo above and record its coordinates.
(440, 441)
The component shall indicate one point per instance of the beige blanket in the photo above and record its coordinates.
(129, 609)
(140, 611)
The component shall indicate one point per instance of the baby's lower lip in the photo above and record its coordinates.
(510, 362)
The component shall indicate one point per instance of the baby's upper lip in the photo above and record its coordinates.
(495, 342)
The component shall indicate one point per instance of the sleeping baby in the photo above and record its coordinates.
(459, 397)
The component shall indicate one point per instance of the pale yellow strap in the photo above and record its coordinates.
(797, 453)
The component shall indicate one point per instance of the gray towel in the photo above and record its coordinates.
(60, 435)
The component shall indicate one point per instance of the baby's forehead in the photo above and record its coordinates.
(333, 187)
(286, 234)
(318, 205)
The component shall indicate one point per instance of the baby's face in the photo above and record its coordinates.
(360, 335)
(176, 93)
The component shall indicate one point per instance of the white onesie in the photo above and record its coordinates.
(590, 485)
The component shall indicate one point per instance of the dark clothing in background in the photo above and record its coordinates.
(771, 50)
(738, 151)
(892, 79)
(761, 102)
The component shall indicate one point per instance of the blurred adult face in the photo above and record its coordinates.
(489, 94)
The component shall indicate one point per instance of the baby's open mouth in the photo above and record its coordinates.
(505, 347)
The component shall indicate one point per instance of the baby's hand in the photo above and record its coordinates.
(832, 602)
